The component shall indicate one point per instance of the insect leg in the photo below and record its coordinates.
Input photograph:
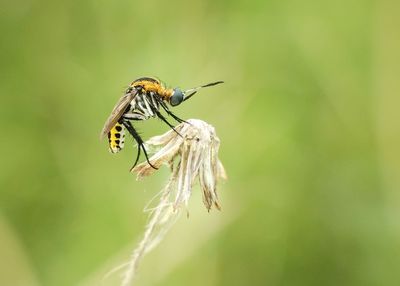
(137, 156)
(170, 113)
(139, 140)
(159, 115)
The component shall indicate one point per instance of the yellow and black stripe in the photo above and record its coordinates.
(116, 138)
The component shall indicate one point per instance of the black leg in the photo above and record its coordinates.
(159, 115)
(176, 117)
(170, 113)
(137, 156)
(139, 141)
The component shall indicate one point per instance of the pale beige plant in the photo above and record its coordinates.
(191, 153)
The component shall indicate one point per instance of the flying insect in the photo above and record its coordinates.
(142, 100)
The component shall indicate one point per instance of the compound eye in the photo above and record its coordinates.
(177, 97)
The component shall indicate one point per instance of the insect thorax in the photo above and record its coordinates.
(143, 106)
(147, 85)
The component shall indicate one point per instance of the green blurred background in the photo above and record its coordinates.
(308, 119)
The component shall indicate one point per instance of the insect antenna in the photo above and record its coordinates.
(193, 91)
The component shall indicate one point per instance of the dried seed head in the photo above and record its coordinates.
(192, 153)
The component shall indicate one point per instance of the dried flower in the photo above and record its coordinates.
(197, 146)
(191, 154)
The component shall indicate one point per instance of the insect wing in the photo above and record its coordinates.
(117, 112)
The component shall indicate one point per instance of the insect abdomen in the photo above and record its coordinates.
(116, 138)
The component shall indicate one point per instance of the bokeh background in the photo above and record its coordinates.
(308, 119)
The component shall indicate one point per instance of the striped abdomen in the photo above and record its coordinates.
(116, 138)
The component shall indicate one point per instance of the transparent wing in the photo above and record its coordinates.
(117, 112)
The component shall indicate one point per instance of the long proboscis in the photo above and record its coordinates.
(193, 91)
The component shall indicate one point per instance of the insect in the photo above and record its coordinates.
(142, 100)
